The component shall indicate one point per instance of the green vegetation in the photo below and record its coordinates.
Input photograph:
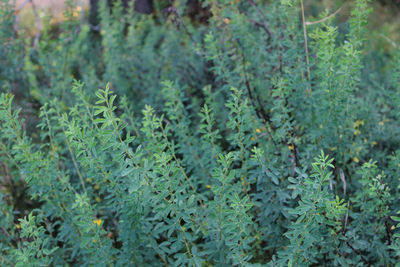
(247, 137)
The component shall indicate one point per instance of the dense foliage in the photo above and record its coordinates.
(248, 136)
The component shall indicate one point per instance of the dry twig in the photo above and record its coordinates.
(324, 19)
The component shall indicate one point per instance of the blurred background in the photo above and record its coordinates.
(386, 16)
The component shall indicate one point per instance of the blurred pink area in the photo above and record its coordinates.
(55, 6)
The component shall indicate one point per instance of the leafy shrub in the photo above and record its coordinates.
(215, 151)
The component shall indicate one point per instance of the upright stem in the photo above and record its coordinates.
(306, 48)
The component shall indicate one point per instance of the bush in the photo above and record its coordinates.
(255, 138)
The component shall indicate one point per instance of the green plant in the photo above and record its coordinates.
(200, 146)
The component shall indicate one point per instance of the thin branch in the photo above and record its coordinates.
(342, 177)
(388, 230)
(4, 231)
(82, 10)
(261, 113)
(38, 24)
(346, 219)
(21, 6)
(324, 19)
(9, 262)
(264, 24)
(358, 253)
(306, 47)
(179, 22)
(393, 43)
(347, 242)
(17, 11)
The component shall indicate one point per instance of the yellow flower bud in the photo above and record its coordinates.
(98, 222)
